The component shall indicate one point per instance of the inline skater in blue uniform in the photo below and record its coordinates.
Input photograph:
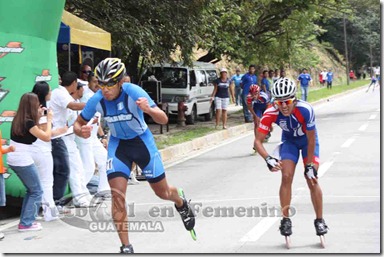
(123, 106)
(299, 134)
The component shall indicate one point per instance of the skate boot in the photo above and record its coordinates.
(286, 227)
(187, 215)
(321, 227)
(126, 249)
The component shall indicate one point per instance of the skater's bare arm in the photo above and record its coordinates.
(311, 137)
(214, 92)
(155, 112)
(250, 108)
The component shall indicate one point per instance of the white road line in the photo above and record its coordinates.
(348, 143)
(266, 223)
(257, 231)
(9, 225)
(324, 168)
(372, 117)
(363, 127)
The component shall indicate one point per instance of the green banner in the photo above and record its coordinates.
(28, 36)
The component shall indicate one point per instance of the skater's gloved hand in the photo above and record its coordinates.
(311, 172)
(273, 163)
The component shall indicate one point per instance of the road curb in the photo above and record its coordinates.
(177, 151)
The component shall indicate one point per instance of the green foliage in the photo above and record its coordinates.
(145, 28)
(268, 32)
(183, 136)
(276, 33)
(363, 32)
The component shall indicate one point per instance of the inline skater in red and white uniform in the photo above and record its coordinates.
(297, 120)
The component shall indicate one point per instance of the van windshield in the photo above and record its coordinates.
(169, 77)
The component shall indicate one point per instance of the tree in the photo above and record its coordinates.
(268, 31)
(363, 32)
(271, 32)
(144, 30)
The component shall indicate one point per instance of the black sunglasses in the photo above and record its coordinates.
(87, 71)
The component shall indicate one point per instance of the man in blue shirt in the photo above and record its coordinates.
(265, 86)
(305, 80)
(236, 79)
(329, 79)
(246, 81)
(123, 106)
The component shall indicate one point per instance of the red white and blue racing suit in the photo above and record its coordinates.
(294, 129)
(260, 104)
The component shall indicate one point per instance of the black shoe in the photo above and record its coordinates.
(285, 227)
(321, 227)
(186, 213)
(126, 249)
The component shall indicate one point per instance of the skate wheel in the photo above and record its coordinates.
(180, 191)
(322, 241)
(193, 234)
(288, 242)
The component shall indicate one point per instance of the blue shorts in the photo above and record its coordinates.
(142, 150)
(290, 150)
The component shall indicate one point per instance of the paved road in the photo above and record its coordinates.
(229, 177)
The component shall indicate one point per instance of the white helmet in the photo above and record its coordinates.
(283, 88)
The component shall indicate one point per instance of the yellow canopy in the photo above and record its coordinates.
(86, 34)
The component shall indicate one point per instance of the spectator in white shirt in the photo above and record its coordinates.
(61, 99)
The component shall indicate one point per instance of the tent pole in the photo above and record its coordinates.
(69, 57)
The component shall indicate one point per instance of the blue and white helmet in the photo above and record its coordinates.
(283, 88)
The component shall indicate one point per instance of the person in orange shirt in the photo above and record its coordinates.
(3, 150)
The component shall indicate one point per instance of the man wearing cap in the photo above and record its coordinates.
(221, 95)
(236, 80)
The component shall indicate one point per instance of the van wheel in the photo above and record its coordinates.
(209, 116)
(191, 119)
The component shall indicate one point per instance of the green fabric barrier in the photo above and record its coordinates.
(28, 36)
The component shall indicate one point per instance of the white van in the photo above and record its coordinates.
(192, 85)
